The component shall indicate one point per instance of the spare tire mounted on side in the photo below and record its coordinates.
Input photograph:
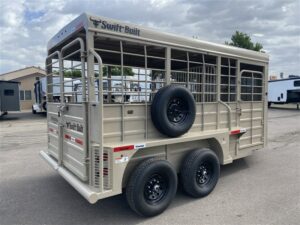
(173, 110)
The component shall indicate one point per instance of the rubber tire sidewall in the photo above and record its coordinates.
(189, 169)
(159, 110)
(137, 181)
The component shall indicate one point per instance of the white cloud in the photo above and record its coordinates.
(26, 26)
(258, 35)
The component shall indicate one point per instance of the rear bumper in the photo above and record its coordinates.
(81, 187)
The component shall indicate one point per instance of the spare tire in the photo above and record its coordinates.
(173, 110)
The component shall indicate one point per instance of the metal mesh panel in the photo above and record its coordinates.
(251, 85)
(228, 79)
(197, 72)
(70, 87)
(132, 73)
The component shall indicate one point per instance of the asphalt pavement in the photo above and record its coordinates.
(263, 188)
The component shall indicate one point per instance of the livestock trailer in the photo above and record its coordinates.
(202, 105)
(284, 91)
(9, 97)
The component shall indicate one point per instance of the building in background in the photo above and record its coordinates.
(26, 77)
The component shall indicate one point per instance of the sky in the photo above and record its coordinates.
(27, 25)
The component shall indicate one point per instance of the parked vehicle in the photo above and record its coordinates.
(40, 87)
(113, 89)
(284, 91)
(201, 105)
(9, 97)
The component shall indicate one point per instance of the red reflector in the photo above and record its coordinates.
(78, 141)
(123, 148)
(235, 132)
(239, 131)
(67, 136)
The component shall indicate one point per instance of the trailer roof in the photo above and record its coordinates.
(123, 29)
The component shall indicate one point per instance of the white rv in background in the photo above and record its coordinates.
(136, 90)
(284, 91)
(40, 86)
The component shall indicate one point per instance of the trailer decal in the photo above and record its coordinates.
(73, 139)
(129, 147)
(75, 126)
(138, 146)
(53, 131)
(122, 159)
(239, 131)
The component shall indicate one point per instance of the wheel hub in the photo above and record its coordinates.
(155, 189)
(203, 174)
(177, 110)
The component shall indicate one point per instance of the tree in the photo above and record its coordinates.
(116, 71)
(72, 74)
(243, 40)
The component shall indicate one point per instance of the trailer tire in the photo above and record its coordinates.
(173, 110)
(200, 172)
(151, 187)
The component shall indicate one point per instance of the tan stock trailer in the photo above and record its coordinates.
(143, 105)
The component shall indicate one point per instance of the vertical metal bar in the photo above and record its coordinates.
(91, 94)
(265, 103)
(168, 65)
(139, 93)
(203, 78)
(72, 80)
(60, 124)
(238, 90)
(252, 88)
(188, 70)
(122, 88)
(109, 86)
(203, 89)
(83, 78)
(229, 76)
(218, 72)
(100, 91)
(146, 92)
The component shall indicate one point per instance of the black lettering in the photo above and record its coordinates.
(104, 25)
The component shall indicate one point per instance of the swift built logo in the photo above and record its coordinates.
(116, 27)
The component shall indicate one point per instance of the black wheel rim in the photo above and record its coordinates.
(204, 173)
(177, 110)
(155, 189)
